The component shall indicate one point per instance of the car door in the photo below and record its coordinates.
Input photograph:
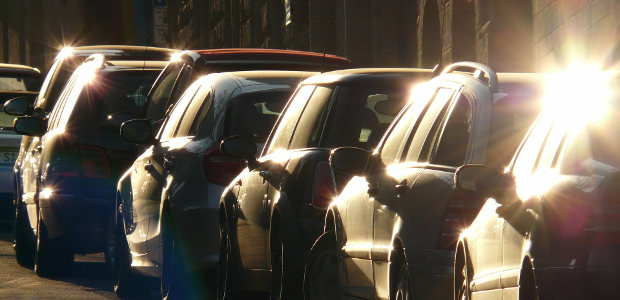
(402, 196)
(533, 171)
(252, 223)
(156, 168)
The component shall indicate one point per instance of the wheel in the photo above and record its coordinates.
(286, 282)
(50, 257)
(461, 278)
(527, 284)
(175, 281)
(126, 282)
(110, 244)
(321, 278)
(402, 291)
(227, 271)
(23, 238)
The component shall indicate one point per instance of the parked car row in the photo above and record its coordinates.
(247, 172)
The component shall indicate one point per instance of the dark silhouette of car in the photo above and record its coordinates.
(167, 224)
(549, 229)
(40, 104)
(15, 81)
(70, 171)
(391, 232)
(187, 66)
(274, 210)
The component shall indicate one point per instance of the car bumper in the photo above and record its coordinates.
(78, 221)
(198, 230)
(431, 272)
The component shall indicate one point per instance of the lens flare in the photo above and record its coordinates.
(578, 95)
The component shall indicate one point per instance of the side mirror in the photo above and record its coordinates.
(137, 131)
(20, 106)
(350, 160)
(30, 126)
(480, 179)
(239, 147)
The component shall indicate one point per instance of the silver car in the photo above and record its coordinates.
(167, 221)
(15, 81)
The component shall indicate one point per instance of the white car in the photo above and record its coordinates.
(15, 81)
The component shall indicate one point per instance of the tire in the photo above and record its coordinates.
(286, 282)
(402, 290)
(461, 278)
(110, 244)
(51, 257)
(175, 281)
(227, 271)
(322, 276)
(527, 284)
(126, 283)
(24, 242)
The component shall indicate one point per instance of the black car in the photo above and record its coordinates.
(550, 228)
(70, 171)
(273, 211)
(391, 232)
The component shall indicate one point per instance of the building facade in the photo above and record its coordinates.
(509, 35)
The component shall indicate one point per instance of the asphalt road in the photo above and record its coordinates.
(88, 279)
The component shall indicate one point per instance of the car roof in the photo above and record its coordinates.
(249, 78)
(364, 76)
(122, 52)
(289, 59)
(15, 68)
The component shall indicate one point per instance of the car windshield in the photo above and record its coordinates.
(253, 115)
(21, 83)
(513, 113)
(360, 115)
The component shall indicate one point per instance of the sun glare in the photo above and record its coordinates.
(578, 95)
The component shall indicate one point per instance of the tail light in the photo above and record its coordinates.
(460, 213)
(218, 168)
(85, 161)
(323, 188)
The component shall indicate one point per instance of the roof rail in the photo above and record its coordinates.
(99, 59)
(478, 71)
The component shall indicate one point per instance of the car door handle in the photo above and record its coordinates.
(265, 174)
(36, 150)
(401, 187)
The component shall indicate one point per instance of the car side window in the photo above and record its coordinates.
(201, 115)
(436, 111)
(156, 106)
(171, 124)
(288, 120)
(528, 154)
(395, 142)
(202, 99)
(307, 131)
(551, 151)
(454, 140)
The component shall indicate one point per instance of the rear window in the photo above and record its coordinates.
(17, 82)
(360, 115)
(253, 115)
(110, 93)
(511, 117)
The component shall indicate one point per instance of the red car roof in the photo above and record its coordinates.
(279, 56)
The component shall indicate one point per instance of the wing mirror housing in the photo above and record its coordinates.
(239, 147)
(480, 179)
(31, 126)
(20, 106)
(138, 131)
(351, 160)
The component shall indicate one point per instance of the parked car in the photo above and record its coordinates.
(70, 171)
(274, 210)
(167, 226)
(15, 81)
(185, 67)
(549, 229)
(67, 60)
(391, 233)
